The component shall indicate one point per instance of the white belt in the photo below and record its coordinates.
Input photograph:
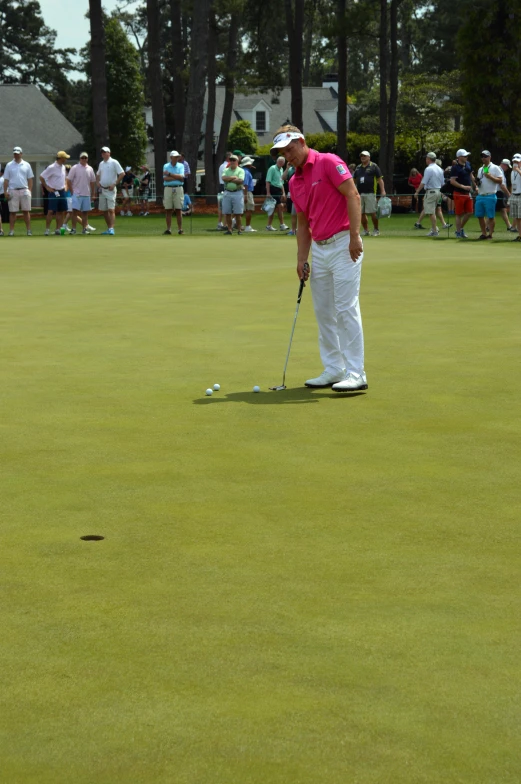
(332, 239)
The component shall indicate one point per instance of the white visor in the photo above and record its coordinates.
(283, 139)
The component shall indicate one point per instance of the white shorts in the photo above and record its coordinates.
(107, 200)
(20, 200)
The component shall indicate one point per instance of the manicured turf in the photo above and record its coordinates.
(294, 587)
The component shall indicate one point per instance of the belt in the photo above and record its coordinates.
(20, 189)
(432, 190)
(173, 186)
(332, 239)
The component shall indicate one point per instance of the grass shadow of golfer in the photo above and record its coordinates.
(295, 395)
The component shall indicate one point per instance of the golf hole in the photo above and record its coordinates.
(92, 538)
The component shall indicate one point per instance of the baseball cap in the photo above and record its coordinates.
(105, 149)
(486, 152)
(128, 168)
(84, 154)
(366, 152)
(517, 156)
(175, 154)
(462, 153)
(239, 152)
(234, 158)
(247, 161)
(282, 140)
(506, 162)
(431, 155)
(62, 154)
(17, 149)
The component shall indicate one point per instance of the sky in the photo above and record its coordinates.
(71, 26)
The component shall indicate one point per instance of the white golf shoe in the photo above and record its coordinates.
(325, 379)
(353, 382)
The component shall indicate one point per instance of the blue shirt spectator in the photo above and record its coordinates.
(248, 180)
(176, 168)
(187, 205)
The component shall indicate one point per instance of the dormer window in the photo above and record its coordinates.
(260, 122)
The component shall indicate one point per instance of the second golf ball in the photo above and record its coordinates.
(256, 389)
(216, 387)
(209, 391)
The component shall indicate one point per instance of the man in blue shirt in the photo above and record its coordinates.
(173, 179)
(249, 203)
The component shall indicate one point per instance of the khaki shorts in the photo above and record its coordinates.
(250, 202)
(20, 200)
(107, 200)
(431, 201)
(368, 203)
(173, 197)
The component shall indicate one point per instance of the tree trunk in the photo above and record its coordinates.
(393, 96)
(295, 30)
(309, 26)
(156, 93)
(178, 86)
(229, 84)
(210, 169)
(341, 122)
(99, 80)
(197, 83)
(383, 85)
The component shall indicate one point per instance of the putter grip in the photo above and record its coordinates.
(302, 283)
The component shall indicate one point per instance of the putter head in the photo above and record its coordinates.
(278, 389)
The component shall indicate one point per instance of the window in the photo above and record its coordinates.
(260, 121)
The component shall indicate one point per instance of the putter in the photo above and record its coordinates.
(301, 289)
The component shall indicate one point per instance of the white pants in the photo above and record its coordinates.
(335, 285)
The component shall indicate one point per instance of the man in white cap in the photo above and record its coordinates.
(462, 180)
(515, 198)
(433, 180)
(488, 179)
(18, 185)
(503, 195)
(173, 193)
(368, 178)
(249, 185)
(109, 175)
(328, 215)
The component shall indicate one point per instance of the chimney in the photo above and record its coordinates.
(331, 80)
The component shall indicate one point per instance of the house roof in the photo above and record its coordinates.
(30, 120)
(315, 100)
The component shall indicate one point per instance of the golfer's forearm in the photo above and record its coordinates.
(353, 210)
(303, 244)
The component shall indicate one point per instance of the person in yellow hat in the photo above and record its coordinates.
(53, 181)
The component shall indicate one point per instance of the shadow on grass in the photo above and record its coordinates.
(296, 395)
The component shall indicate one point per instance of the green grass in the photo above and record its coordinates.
(399, 225)
(295, 587)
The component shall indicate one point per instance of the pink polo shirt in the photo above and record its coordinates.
(80, 178)
(314, 191)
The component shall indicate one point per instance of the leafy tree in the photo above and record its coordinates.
(489, 48)
(27, 47)
(126, 99)
(243, 137)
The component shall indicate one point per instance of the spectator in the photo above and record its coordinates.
(127, 183)
(53, 180)
(515, 199)
(462, 181)
(68, 199)
(432, 180)
(448, 190)
(4, 207)
(81, 182)
(414, 181)
(275, 189)
(488, 178)
(18, 185)
(352, 168)
(187, 169)
(187, 206)
(144, 190)
(249, 202)
(110, 174)
(240, 155)
(367, 178)
(289, 171)
(173, 179)
(222, 167)
(233, 198)
(502, 197)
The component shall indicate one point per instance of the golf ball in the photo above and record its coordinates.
(209, 391)
(256, 389)
(216, 387)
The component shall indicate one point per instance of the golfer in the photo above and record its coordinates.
(328, 216)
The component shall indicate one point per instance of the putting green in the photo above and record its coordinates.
(295, 587)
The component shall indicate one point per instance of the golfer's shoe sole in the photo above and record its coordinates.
(351, 389)
(319, 386)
